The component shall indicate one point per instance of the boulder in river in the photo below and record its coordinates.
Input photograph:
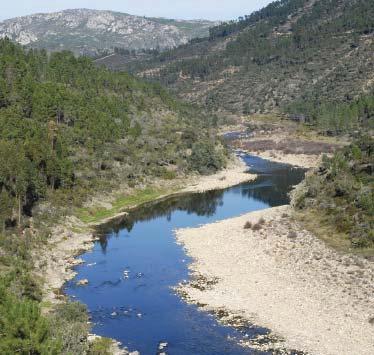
(83, 282)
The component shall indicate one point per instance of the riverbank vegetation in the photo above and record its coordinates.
(339, 197)
(98, 214)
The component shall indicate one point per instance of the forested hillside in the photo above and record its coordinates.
(69, 130)
(64, 124)
(303, 57)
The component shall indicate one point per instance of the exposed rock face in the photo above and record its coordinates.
(90, 31)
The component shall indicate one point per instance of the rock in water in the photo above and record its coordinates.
(83, 282)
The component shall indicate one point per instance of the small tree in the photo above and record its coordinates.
(205, 158)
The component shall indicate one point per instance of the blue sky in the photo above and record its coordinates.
(183, 9)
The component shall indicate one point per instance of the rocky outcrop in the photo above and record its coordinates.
(91, 31)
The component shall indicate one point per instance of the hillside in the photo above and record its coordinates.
(70, 131)
(85, 31)
(304, 57)
(73, 126)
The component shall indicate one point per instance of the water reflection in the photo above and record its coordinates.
(200, 204)
(131, 270)
(272, 186)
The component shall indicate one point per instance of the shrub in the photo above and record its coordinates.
(205, 158)
(299, 195)
(100, 346)
(169, 175)
(257, 227)
(69, 325)
(248, 225)
(23, 329)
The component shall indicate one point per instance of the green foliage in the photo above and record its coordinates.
(69, 325)
(66, 127)
(206, 158)
(101, 346)
(96, 215)
(337, 117)
(23, 329)
(275, 13)
(342, 190)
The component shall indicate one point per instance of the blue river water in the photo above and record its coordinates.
(137, 261)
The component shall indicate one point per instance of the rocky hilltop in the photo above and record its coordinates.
(87, 31)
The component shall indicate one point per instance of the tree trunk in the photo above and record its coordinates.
(19, 210)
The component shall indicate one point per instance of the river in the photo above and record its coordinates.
(132, 269)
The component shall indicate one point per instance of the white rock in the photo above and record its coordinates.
(82, 282)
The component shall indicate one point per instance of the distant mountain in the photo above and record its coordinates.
(90, 32)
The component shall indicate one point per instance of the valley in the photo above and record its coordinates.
(188, 186)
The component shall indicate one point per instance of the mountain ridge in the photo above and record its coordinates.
(86, 31)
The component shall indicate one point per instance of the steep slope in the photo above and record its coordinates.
(68, 126)
(290, 56)
(87, 31)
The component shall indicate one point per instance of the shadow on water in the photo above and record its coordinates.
(137, 260)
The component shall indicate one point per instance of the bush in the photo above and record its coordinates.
(257, 227)
(23, 330)
(100, 346)
(69, 325)
(248, 225)
(298, 195)
(169, 175)
(206, 158)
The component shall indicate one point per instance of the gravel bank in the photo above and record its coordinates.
(235, 174)
(300, 160)
(280, 276)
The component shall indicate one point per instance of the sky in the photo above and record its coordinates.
(178, 9)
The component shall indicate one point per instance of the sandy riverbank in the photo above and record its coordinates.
(284, 278)
(73, 237)
(299, 160)
(235, 174)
